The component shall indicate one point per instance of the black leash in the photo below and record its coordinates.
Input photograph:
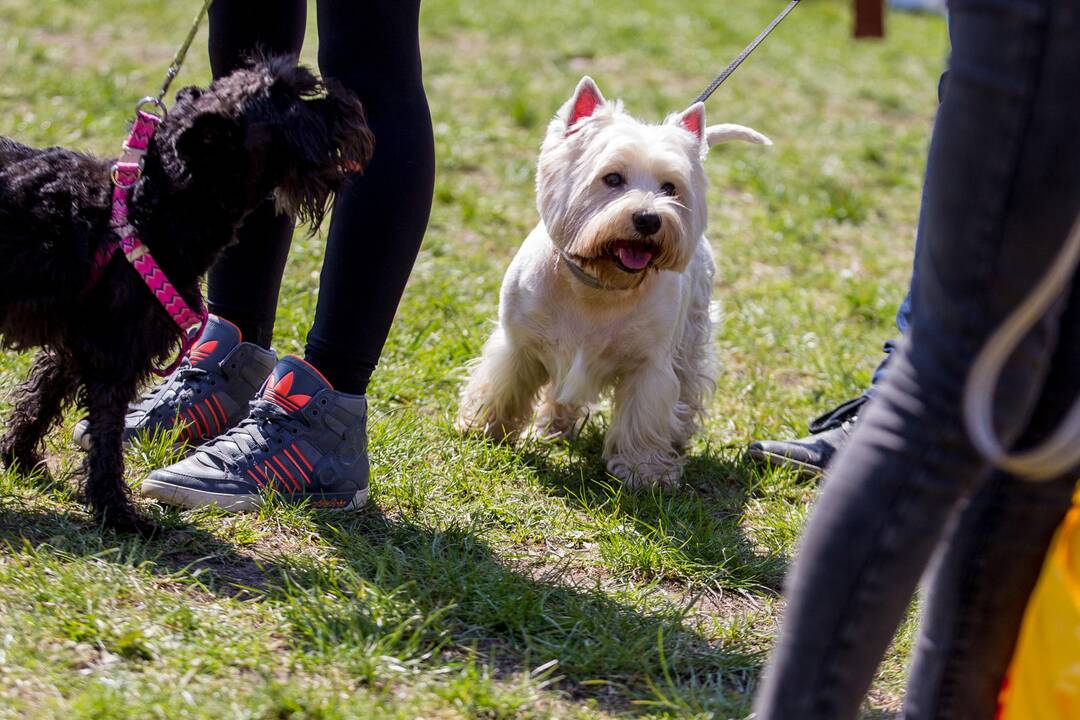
(174, 67)
(744, 54)
(178, 59)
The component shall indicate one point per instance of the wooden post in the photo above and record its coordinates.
(869, 18)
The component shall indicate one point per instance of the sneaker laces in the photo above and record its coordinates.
(263, 426)
(185, 382)
(151, 395)
(842, 416)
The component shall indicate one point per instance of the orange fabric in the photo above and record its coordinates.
(1043, 681)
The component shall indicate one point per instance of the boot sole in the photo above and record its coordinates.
(805, 470)
(191, 498)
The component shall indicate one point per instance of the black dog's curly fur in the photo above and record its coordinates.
(270, 128)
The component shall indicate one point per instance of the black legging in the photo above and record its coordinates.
(379, 218)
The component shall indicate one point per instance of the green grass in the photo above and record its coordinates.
(485, 581)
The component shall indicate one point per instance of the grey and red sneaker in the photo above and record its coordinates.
(208, 394)
(302, 441)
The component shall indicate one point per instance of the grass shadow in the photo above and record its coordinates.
(628, 651)
(180, 548)
(701, 532)
(390, 592)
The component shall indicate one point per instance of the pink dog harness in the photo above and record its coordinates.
(125, 174)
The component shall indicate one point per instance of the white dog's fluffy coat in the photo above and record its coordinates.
(625, 203)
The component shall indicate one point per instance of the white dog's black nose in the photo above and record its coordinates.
(646, 223)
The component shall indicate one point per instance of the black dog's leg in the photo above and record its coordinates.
(105, 490)
(41, 398)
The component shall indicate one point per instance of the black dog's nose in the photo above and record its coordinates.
(646, 223)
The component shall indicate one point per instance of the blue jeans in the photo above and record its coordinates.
(903, 313)
(903, 324)
(909, 494)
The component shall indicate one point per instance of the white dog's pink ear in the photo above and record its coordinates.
(693, 120)
(586, 100)
(729, 131)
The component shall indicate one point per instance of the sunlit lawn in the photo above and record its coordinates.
(483, 581)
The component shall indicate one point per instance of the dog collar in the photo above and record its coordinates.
(591, 280)
(125, 175)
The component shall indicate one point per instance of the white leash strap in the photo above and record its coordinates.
(1060, 453)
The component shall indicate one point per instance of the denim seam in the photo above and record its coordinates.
(964, 622)
(994, 205)
(990, 216)
(866, 587)
(1033, 54)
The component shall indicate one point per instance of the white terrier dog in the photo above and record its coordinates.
(611, 290)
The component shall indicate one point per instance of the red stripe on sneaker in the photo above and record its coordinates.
(202, 351)
(279, 399)
(217, 418)
(204, 428)
(273, 472)
(219, 421)
(221, 411)
(295, 482)
(255, 477)
(299, 469)
(258, 471)
(202, 417)
(195, 422)
(279, 389)
(274, 476)
(208, 407)
(296, 450)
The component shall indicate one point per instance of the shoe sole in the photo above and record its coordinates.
(805, 470)
(191, 498)
(82, 440)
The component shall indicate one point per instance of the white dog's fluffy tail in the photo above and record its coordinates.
(716, 134)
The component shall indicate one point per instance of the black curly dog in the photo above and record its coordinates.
(270, 128)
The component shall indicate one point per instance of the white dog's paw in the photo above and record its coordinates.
(545, 433)
(465, 424)
(640, 472)
(481, 421)
(556, 421)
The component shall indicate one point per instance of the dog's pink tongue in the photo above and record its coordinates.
(633, 257)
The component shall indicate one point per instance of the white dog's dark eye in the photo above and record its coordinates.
(667, 188)
(613, 180)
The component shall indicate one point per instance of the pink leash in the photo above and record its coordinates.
(125, 174)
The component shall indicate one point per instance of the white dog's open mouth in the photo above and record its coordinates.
(633, 256)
